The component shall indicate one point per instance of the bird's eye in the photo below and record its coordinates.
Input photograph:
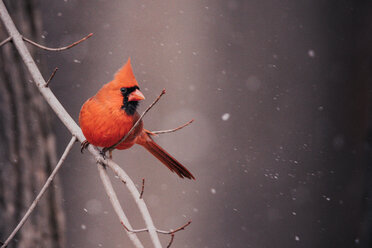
(123, 90)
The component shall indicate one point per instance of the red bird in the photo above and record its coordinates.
(109, 115)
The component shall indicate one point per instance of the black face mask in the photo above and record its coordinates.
(129, 107)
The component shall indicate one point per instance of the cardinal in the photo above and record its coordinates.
(109, 115)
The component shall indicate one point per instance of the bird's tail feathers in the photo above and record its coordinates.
(167, 159)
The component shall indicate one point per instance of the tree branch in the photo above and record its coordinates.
(41, 193)
(115, 203)
(171, 130)
(51, 77)
(143, 188)
(134, 192)
(172, 232)
(58, 49)
(5, 41)
(171, 240)
(176, 230)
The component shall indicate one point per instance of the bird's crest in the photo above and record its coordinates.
(125, 77)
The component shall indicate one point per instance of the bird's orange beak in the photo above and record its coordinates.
(136, 96)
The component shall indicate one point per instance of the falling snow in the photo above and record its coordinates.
(225, 116)
(213, 191)
(311, 53)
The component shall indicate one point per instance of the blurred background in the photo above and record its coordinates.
(281, 96)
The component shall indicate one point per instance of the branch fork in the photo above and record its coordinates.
(5, 41)
(171, 232)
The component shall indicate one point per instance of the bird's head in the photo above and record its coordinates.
(125, 83)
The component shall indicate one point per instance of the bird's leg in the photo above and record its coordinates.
(104, 150)
(84, 145)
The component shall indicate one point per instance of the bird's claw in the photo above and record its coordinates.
(103, 153)
(84, 145)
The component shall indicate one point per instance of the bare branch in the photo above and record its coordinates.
(5, 41)
(42, 191)
(176, 230)
(135, 124)
(58, 49)
(120, 173)
(51, 77)
(171, 240)
(130, 230)
(172, 232)
(116, 204)
(143, 188)
(171, 130)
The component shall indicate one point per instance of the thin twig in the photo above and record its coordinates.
(130, 230)
(58, 49)
(116, 204)
(41, 193)
(172, 233)
(51, 77)
(176, 230)
(172, 130)
(5, 41)
(70, 123)
(135, 124)
(171, 240)
(143, 188)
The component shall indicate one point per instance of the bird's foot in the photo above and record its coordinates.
(84, 145)
(103, 152)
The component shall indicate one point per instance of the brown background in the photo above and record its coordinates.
(287, 169)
